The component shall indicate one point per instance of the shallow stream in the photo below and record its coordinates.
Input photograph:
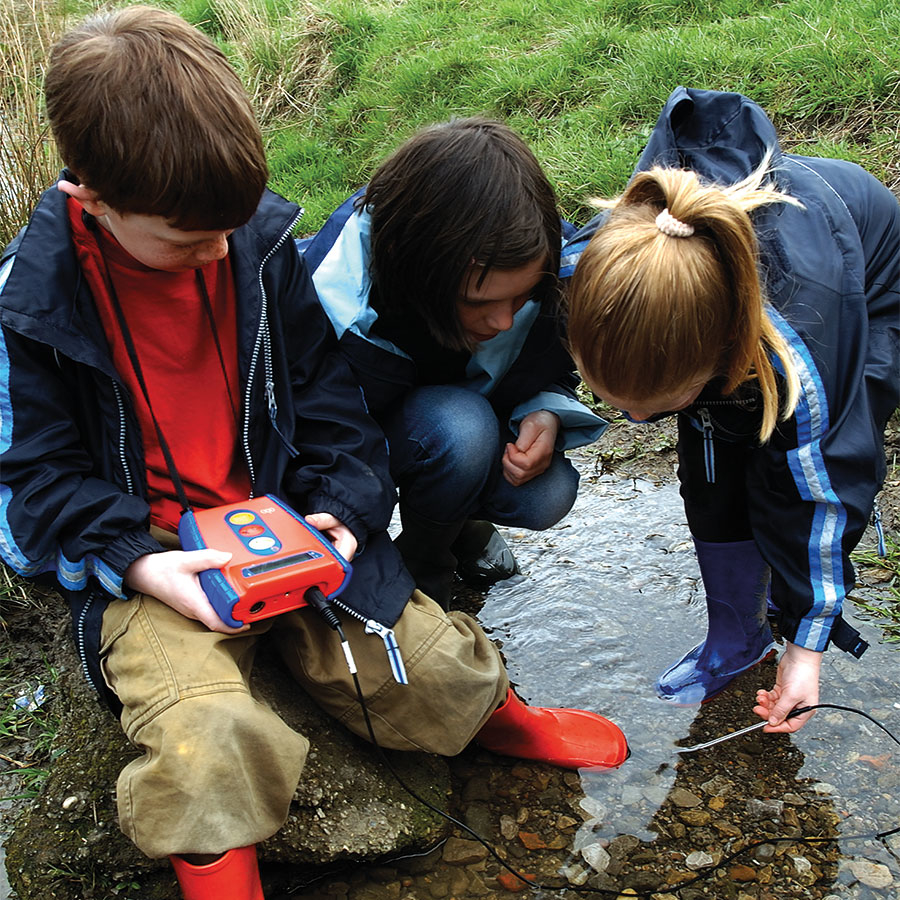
(607, 600)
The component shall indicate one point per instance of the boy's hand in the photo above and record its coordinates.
(532, 452)
(171, 577)
(796, 684)
(338, 533)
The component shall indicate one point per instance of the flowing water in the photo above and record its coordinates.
(612, 596)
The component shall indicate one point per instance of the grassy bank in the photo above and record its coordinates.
(338, 84)
(584, 80)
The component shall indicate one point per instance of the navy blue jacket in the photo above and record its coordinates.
(72, 473)
(832, 276)
(521, 370)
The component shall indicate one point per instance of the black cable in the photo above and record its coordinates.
(323, 607)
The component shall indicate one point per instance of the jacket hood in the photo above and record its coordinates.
(721, 136)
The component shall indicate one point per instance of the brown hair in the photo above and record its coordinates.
(650, 311)
(149, 114)
(457, 193)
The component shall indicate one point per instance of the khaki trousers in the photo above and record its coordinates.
(188, 706)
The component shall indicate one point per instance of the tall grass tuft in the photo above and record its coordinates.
(28, 158)
(279, 49)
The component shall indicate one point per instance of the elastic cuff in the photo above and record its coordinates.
(126, 548)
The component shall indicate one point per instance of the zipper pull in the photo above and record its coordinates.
(270, 400)
(879, 529)
(709, 454)
(393, 651)
(273, 418)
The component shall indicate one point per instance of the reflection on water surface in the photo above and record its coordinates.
(612, 596)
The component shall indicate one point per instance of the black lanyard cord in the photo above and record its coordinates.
(201, 283)
(136, 365)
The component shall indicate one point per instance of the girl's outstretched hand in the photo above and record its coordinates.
(796, 684)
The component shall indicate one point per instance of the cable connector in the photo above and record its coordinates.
(320, 603)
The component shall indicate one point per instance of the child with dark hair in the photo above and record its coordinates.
(757, 294)
(440, 278)
(158, 327)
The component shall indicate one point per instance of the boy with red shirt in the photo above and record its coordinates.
(156, 293)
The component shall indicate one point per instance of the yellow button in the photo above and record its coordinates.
(241, 518)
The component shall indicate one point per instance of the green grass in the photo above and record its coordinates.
(339, 83)
(583, 81)
(26, 734)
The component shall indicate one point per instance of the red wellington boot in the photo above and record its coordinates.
(569, 738)
(233, 876)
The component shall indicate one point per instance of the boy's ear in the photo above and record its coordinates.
(85, 196)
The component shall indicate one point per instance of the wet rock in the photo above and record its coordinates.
(870, 873)
(621, 846)
(460, 852)
(593, 808)
(684, 798)
(508, 827)
(575, 874)
(513, 883)
(596, 857)
(764, 809)
(742, 873)
(479, 817)
(477, 788)
(532, 841)
(348, 807)
(695, 817)
(699, 859)
(718, 786)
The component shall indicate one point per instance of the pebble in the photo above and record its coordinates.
(872, 874)
(699, 859)
(596, 857)
(764, 809)
(460, 852)
(683, 798)
(575, 874)
(508, 827)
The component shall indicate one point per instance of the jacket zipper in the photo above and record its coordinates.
(80, 640)
(81, 643)
(129, 483)
(263, 341)
(709, 453)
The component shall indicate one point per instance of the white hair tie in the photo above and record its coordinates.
(668, 224)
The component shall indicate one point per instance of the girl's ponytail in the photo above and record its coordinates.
(669, 290)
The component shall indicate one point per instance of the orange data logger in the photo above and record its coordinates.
(276, 557)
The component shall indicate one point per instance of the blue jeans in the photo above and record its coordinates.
(446, 447)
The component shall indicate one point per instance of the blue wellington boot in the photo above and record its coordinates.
(738, 636)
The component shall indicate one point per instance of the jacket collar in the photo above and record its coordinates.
(45, 298)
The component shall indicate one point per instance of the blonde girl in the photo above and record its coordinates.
(755, 293)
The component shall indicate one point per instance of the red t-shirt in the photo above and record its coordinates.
(177, 353)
